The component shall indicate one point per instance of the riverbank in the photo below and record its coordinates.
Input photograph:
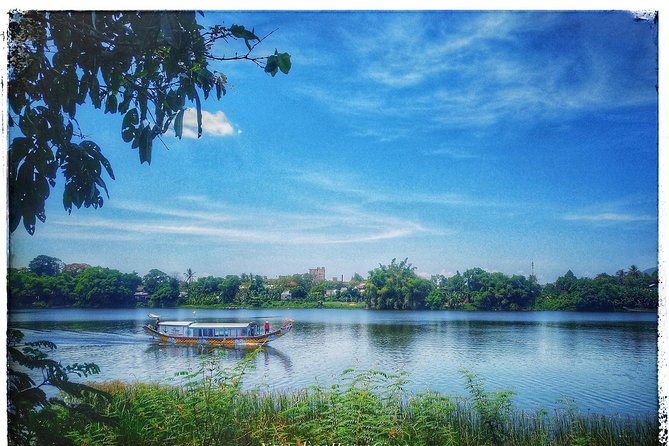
(365, 408)
(285, 304)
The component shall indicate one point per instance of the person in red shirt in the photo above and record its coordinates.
(266, 327)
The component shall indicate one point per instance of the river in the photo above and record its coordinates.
(596, 362)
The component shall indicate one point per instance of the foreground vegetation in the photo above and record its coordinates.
(47, 282)
(370, 407)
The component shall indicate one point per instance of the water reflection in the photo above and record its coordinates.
(604, 362)
(393, 336)
(160, 352)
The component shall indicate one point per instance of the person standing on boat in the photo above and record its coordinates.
(266, 327)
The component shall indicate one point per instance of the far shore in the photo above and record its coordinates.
(332, 305)
(323, 305)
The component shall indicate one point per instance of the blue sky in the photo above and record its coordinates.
(456, 139)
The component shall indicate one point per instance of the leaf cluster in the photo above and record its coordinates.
(144, 65)
(493, 408)
(26, 394)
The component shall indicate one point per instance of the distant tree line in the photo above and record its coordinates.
(48, 282)
(631, 289)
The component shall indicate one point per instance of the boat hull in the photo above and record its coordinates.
(238, 342)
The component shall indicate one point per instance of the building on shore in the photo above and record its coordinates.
(317, 274)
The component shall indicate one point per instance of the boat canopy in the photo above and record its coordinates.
(207, 324)
(221, 324)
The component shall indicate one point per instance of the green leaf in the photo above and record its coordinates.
(128, 127)
(179, 124)
(100, 182)
(175, 99)
(69, 130)
(18, 150)
(283, 61)
(111, 104)
(272, 65)
(220, 86)
(125, 104)
(128, 134)
(29, 221)
(94, 91)
(198, 110)
(169, 27)
(81, 88)
(90, 146)
(205, 76)
(241, 33)
(145, 142)
(107, 165)
(67, 200)
(131, 118)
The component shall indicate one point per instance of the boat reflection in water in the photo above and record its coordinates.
(162, 351)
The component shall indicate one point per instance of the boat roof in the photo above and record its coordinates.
(207, 324)
(220, 324)
(178, 323)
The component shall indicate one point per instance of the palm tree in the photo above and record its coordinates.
(190, 275)
(634, 271)
(620, 275)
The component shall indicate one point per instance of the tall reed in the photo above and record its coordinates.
(362, 408)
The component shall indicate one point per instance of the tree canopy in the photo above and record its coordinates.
(396, 287)
(145, 65)
(25, 391)
(99, 287)
(45, 265)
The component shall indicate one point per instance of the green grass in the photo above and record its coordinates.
(370, 407)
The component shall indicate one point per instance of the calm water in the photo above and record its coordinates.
(603, 363)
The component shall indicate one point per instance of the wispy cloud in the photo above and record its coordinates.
(213, 124)
(349, 185)
(469, 70)
(352, 102)
(455, 153)
(323, 225)
(421, 49)
(139, 209)
(609, 217)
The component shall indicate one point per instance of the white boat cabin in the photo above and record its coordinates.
(208, 329)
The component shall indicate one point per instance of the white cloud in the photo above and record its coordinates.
(173, 212)
(348, 185)
(419, 51)
(328, 225)
(213, 124)
(456, 153)
(609, 217)
(437, 69)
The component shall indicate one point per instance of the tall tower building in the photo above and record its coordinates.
(317, 274)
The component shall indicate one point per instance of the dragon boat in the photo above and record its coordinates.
(214, 334)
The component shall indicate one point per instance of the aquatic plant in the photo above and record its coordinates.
(363, 407)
